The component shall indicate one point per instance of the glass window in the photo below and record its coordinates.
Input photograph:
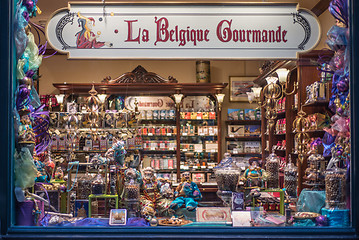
(224, 144)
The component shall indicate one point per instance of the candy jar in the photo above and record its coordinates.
(227, 176)
(314, 174)
(84, 186)
(335, 188)
(272, 168)
(98, 185)
(290, 178)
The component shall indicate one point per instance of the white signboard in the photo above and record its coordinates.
(183, 31)
(149, 103)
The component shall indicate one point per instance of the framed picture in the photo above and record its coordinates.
(213, 214)
(238, 86)
(118, 217)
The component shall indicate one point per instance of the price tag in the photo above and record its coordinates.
(203, 167)
(213, 150)
(150, 134)
(231, 135)
(184, 150)
(186, 168)
(184, 134)
(152, 149)
(171, 149)
(169, 134)
(202, 134)
(199, 118)
(235, 151)
(198, 150)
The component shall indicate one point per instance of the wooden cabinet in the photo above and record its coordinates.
(305, 72)
(139, 82)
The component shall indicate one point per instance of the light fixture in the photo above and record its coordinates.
(102, 97)
(251, 96)
(60, 100)
(257, 91)
(271, 80)
(220, 98)
(283, 81)
(178, 98)
(282, 75)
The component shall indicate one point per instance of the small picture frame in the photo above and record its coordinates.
(237, 201)
(238, 86)
(213, 214)
(118, 217)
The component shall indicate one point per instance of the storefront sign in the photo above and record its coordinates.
(184, 31)
(149, 103)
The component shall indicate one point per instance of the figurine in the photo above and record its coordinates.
(186, 193)
(253, 175)
(152, 202)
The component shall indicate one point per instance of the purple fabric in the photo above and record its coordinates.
(23, 97)
(97, 222)
(339, 10)
(24, 212)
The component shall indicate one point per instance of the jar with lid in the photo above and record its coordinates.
(272, 168)
(314, 174)
(98, 185)
(290, 178)
(227, 177)
(227, 174)
(335, 188)
(84, 186)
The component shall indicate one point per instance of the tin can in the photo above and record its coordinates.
(156, 114)
(203, 73)
(162, 114)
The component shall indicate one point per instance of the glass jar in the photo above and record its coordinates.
(314, 174)
(132, 191)
(84, 187)
(227, 174)
(272, 168)
(98, 185)
(335, 188)
(290, 179)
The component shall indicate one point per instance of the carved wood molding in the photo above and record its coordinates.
(139, 75)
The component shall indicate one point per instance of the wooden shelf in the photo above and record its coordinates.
(158, 151)
(280, 115)
(316, 103)
(79, 151)
(164, 89)
(157, 121)
(203, 136)
(183, 119)
(244, 122)
(246, 154)
(245, 138)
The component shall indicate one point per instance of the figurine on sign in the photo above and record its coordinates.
(152, 202)
(253, 175)
(187, 193)
(86, 38)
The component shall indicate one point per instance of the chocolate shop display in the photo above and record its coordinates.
(272, 169)
(291, 178)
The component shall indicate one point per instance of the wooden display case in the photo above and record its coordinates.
(304, 71)
(139, 82)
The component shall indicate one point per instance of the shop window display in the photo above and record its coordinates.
(128, 159)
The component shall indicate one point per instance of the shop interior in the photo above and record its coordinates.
(248, 137)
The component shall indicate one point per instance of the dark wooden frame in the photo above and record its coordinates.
(8, 231)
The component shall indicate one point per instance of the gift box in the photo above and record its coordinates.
(235, 130)
(252, 130)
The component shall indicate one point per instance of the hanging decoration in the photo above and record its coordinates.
(31, 121)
